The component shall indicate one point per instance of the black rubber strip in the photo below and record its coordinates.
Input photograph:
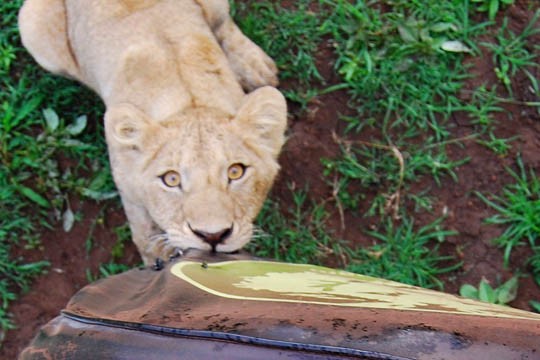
(237, 338)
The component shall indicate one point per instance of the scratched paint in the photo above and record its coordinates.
(272, 281)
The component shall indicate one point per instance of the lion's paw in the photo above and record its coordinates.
(159, 250)
(252, 66)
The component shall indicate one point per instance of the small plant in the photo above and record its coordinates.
(106, 270)
(518, 210)
(501, 295)
(398, 61)
(403, 66)
(290, 37)
(535, 305)
(387, 167)
(480, 109)
(491, 6)
(15, 274)
(534, 263)
(497, 145)
(296, 234)
(33, 186)
(512, 53)
(123, 236)
(405, 254)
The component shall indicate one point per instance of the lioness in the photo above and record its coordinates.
(192, 155)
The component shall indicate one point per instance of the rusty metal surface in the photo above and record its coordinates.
(187, 306)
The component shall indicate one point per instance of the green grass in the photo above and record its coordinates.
(106, 270)
(297, 233)
(406, 254)
(402, 65)
(491, 7)
(518, 209)
(514, 52)
(34, 188)
(376, 165)
(396, 64)
(502, 295)
(290, 37)
(403, 68)
(300, 234)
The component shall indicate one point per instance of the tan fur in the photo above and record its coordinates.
(171, 74)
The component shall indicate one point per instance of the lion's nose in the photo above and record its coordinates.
(213, 238)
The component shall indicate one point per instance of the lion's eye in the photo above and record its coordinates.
(236, 171)
(171, 178)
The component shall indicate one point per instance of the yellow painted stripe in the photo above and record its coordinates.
(310, 284)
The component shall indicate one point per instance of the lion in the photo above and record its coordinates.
(192, 154)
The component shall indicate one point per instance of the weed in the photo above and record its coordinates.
(33, 186)
(491, 6)
(15, 275)
(405, 254)
(501, 295)
(123, 235)
(404, 70)
(534, 263)
(297, 234)
(511, 53)
(396, 63)
(106, 270)
(387, 167)
(518, 210)
(481, 107)
(535, 305)
(497, 145)
(290, 37)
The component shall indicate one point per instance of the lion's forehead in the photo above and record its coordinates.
(211, 152)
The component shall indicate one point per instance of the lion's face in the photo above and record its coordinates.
(201, 176)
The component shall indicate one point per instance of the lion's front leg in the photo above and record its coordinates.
(153, 245)
(252, 66)
(43, 29)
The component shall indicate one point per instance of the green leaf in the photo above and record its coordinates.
(78, 126)
(468, 291)
(507, 292)
(486, 292)
(455, 46)
(35, 197)
(68, 220)
(493, 8)
(99, 181)
(26, 109)
(73, 143)
(535, 305)
(51, 117)
(407, 34)
(443, 26)
(97, 195)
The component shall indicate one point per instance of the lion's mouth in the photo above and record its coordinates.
(229, 240)
(214, 238)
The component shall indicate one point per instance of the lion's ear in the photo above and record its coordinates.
(263, 118)
(126, 126)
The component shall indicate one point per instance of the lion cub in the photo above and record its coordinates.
(192, 155)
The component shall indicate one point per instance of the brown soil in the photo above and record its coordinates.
(310, 138)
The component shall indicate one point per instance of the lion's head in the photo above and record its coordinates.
(201, 175)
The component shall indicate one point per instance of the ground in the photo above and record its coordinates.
(310, 138)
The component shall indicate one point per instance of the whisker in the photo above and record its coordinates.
(160, 236)
(259, 233)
